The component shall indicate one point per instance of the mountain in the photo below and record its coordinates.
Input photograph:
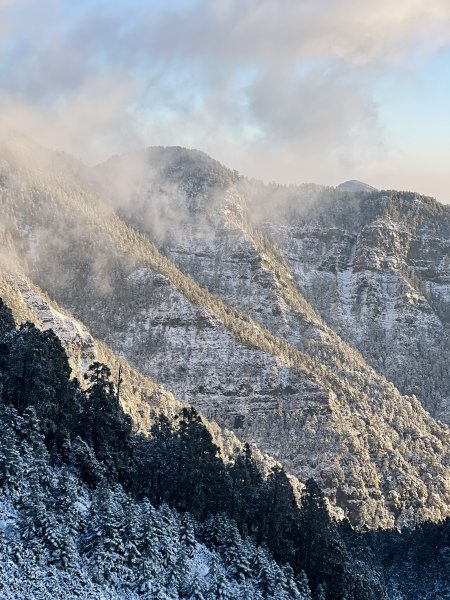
(90, 507)
(84, 500)
(374, 267)
(247, 302)
(377, 269)
(142, 398)
(353, 185)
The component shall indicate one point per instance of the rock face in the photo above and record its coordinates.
(375, 266)
(280, 312)
(377, 269)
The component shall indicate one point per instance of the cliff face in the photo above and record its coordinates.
(266, 326)
(142, 397)
(375, 266)
(379, 273)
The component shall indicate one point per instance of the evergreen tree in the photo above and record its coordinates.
(320, 593)
(11, 464)
(302, 585)
(68, 551)
(220, 590)
(82, 456)
(316, 533)
(67, 503)
(132, 532)
(151, 533)
(247, 488)
(195, 590)
(105, 426)
(205, 486)
(187, 537)
(7, 323)
(281, 516)
(38, 375)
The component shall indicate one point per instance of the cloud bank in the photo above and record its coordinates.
(281, 89)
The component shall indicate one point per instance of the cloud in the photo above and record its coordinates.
(283, 89)
(359, 31)
(91, 122)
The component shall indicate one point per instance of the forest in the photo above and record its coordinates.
(92, 508)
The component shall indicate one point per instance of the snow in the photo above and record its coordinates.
(345, 279)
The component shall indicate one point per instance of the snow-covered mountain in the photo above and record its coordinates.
(308, 320)
(82, 514)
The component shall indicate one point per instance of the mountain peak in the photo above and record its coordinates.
(353, 185)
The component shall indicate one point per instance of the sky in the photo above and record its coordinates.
(281, 90)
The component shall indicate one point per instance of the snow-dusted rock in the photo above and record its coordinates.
(276, 325)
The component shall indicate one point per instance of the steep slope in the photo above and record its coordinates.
(141, 397)
(82, 515)
(318, 407)
(374, 265)
(377, 268)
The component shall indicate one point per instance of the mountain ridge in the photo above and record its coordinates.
(297, 408)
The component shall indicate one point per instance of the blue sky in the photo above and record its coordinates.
(287, 90)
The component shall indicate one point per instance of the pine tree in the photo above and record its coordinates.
(322, 552)
(67, 503)
(151, 532)
(266, 573)
(204, 484)
(11, 464)
(195, 590)
(33, 518)
(302, 585)
(103, 541)
(177, 572)
(168, 535)
(7, 323)
(187, 536)
(247, 487)
(320, 593)
(220, 589)
(68, 551)
(82, 456)
(107, 428)
(132, 535)
(146, 573)
(281, 516)
(247, 591)
(290, 585)
(38, 375)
